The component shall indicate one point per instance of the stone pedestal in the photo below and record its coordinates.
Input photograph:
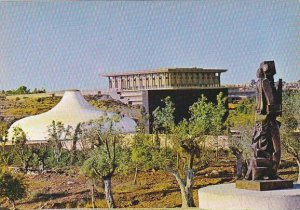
(228, 197)
(264, 185)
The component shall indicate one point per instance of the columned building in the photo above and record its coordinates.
(183, 85)
(165, 78)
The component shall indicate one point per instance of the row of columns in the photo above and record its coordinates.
(167, 79)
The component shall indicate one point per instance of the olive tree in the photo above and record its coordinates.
(5, 155)
(240, 147)
(141, 153)
(164, 118)
(188, 136)
(57, 133)
(106, 157)
(147, 155)
(75, 138)
(290, 134)
(22, 150)
(41, 153)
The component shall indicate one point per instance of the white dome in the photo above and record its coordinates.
(71, 110)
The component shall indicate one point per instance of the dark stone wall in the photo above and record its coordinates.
(182, 99)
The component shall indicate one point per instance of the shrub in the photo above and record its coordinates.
(11, 187)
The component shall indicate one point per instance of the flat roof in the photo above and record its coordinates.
(164, 70)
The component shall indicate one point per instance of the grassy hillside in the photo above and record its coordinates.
(20, 106)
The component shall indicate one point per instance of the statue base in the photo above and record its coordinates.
(264, 185)
(228, 197)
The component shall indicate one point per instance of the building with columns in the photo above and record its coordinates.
(165, 78)
(183, 85)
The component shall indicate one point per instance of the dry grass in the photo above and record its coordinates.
(154, 189)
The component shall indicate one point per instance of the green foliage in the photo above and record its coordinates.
(124, 163)
(29, 106)
(106, 157)
(141, 121)
(11, 187)
(291, 104)
(206, 117)
(141, 151)
(243, 115)
(24, 90)
(290, 123)
(187, 137)
(22, 150)
(43, 90)
(146, 154)
(164, 117)
(3, 131)
(99, 165)
(5, 155)
(240, 144)
(57, 132)
(52, 160)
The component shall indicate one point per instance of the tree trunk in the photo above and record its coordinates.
(41, 166)
(93, 196)
(186, 189)
(135, 175)
(177, 160)
(73, 152)
(239, 161)
(189, 187)
(298, 162)
(108, 192)
(12, 202)
(26, 164)
(14, 205)
(217, 150)
(239, 165)
(166, 144)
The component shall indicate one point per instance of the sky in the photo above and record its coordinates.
(64, 45)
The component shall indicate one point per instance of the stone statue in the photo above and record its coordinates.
(266, 150)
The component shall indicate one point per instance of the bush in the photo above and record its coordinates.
(11, 187)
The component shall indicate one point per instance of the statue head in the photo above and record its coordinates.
(268, 68)
(260, 73)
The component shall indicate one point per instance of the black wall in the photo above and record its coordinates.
(182, 99)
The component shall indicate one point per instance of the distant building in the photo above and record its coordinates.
(130, 84)
(292, 86)
(183, 85)
(237, 93)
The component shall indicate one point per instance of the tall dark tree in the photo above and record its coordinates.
(75, 138)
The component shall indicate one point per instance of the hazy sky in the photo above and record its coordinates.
(66, 45)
